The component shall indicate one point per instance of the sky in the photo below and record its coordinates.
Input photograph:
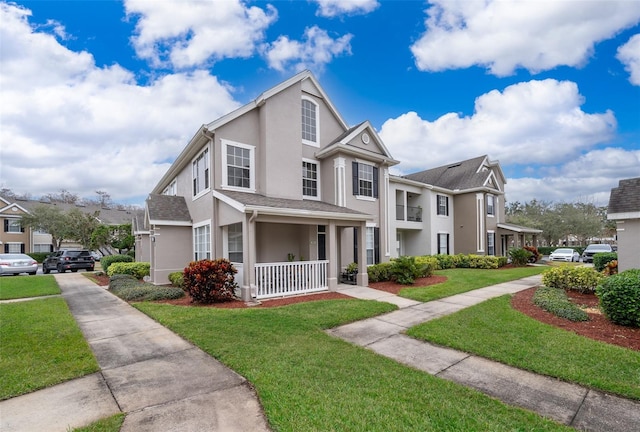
(104, 95)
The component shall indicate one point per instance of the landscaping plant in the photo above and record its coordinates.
(600, 260)
(210, 281)
(555, 300)
(581, 279)
(620, 297)
(136, 269)
(519, 257)
(107, 260)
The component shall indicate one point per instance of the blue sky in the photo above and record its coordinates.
(103, 95)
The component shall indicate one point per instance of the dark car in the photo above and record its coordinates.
(73, 260)
(592, 249)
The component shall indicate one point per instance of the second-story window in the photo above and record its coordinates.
(172, 189)
(365, 180)
(238, 167)
(443, 205)
(491, 205)
(12, 226)
(309, 122)
(309, 179)
(201, 173)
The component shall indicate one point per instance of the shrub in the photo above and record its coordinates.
(210, 281)
(555, 300)
(620, 297)
(519, 257)
(405, 270)
(565, 277)
(176, 279)
(535, 254)
(39, 256)
(462, 261)
(107, 260)
(135, 269)
(445, 261)
(611, 268)
(129, 288)
(427, 265)
(546, 250)
(380, 272)
(601, 259)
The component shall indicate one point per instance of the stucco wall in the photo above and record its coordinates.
(173, 251)
(628, 232)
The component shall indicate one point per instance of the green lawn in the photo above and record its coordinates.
(463, 280)
(41, 346)
(494, 330)
(109, 424)
(310, 381)
(12, 287)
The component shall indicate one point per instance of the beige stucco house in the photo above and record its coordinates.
(624, 208)
(291, 195)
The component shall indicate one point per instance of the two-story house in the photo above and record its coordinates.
(282, 187)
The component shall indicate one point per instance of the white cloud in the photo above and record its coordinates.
(332, 8)
(67, 123)
(505, 35)
(629, 55)
(195, 32)
(529, 122)
(315, 50)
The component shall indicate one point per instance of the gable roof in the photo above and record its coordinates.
(624, 201)
(462, 176)
(167, 210)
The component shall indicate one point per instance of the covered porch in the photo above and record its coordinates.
(516, 236)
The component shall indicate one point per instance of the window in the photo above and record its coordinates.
(171, 189)
(309, 122)
(443, 205)
(322, 242)
(238, 171)
(309, 179)
(365, 180)
(370, 246)
(443, 244)
(491, 242)
(13, 226)
(235, 242)
(201, 173)
(490, 205)
(42, 248)
(201, 242)
(14, 248)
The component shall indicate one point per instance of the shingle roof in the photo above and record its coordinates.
(460, 175)
(257, 200)
(168, 208)
(108, 216)
(626, 197)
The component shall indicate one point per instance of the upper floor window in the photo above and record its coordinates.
(491, 211)
(309, 179)
(443, 205)
(201, 173)
(365, 180)
(13, 226)
(172, 189)
(239, 167)
(309, 122)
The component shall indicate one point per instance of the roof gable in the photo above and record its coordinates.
(625, 198)
(474, 173)
(167, 210)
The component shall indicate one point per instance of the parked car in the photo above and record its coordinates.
(592, 249)
(17, 263)
(64, 260)
(565, 254)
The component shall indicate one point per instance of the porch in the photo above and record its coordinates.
(290, 278)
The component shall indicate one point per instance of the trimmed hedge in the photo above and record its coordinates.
(135, 269)
(39, 256)
(601, 259)
(107, 260)
(177, 279)
(565, 277)
(620, 297)
(380, 272)
(129, 288)
(555, 300)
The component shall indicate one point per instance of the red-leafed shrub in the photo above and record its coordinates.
(535, 255)
(210, 281)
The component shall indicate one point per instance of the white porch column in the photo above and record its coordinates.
(248, 289)
(363, 277)
(333, 256)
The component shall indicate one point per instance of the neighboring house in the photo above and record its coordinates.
(14, 238)
(455, 208)
(624, 208)
(291, 195)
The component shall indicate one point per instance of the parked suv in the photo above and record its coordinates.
(64, 260)
(592, 249)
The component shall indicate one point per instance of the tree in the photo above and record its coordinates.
(81, 226)
(108, 237)
(64, 196)
(51, 220)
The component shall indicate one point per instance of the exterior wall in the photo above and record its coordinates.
(170, 252)
(628, 232)
(466, 223)
(143, 248)
(440, 224)
(21, 239)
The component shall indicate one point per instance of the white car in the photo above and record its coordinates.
(565, 254)
(17, 263)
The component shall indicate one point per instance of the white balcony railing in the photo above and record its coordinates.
(290, 278)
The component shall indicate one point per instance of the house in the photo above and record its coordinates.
(465, 211)
(14, 238)
(291, 195)
(624, 208)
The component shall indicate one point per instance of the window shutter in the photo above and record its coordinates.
(376, 245)
(6, 225)
(22, 248)
(355, 245)
(447, 206)
(448, 251)
(6, 248)
(356, 186)
(375, 182)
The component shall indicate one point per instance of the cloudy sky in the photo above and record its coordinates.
(103, 95)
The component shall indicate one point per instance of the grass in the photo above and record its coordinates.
(14, 287)
(463, 280)
(41, 346)
(532, 345)
(310, 381)
(109, 424)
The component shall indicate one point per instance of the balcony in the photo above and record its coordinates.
(413, 214)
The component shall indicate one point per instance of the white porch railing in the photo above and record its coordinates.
(289, 278)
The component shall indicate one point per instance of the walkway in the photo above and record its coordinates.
(567, 403)
(161, 381)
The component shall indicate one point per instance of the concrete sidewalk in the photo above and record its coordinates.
(570, 404)
(161, 381)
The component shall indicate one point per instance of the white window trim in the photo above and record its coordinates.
(365, 197)
(252, 166)
(493, 198)
(205, 190)
(172, 188)
(370, 228)
(493, 236)
(448, 206)
(311, 197)
(315, 143)
(225, 243)
(193, 233)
